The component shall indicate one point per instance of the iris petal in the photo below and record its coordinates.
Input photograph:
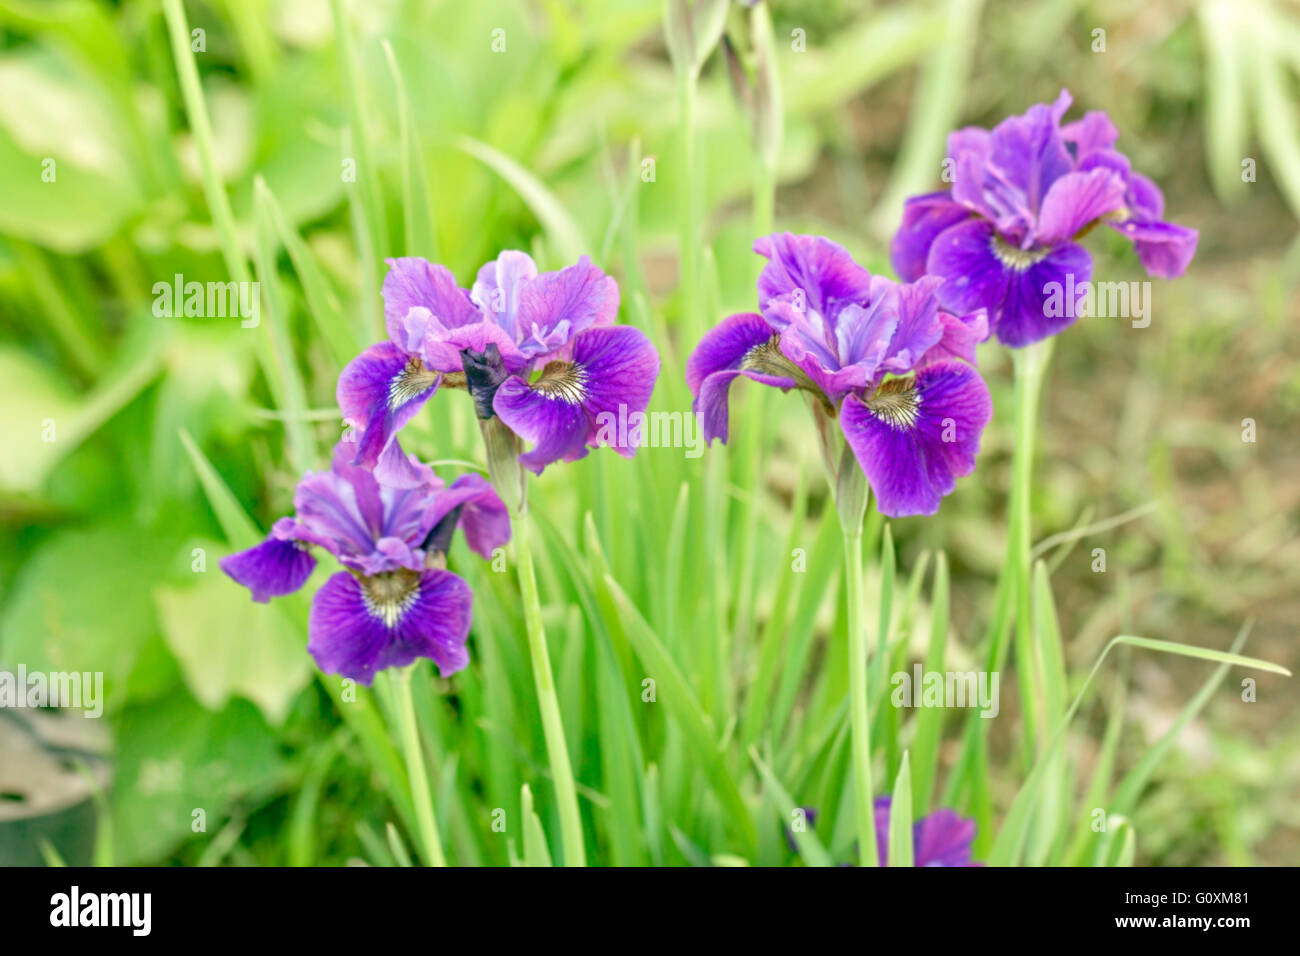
(741, 344)
(610, 378)
(360, 627)
(913, 447)
(271, 569)
(378, 392)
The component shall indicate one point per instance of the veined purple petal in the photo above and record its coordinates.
(340, 509)
(414, 282)
(1012, 285)
(271, 569)
(497, 288)
(1107, 159)
(1006, 178)
(610, 377)
(1029, 152)
(924, 217)
(914, 438)
(360, 627)
(1077, 199)
(557, 306)
(720, 357)
(843, 351)
(974, 278)
(820, 270)
(556, 426)
(1028, 314)
(1165, 248)
(380, 391)
(919, 326)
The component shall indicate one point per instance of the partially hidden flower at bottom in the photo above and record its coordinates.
(942, 838)
(394, 602)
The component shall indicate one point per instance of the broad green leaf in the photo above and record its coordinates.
(47, 421)
(82, 603)
(178, 765)
(228, 645)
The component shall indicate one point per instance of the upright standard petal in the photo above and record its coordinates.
(271, 569)
(414, 282)
(919, 326)
(743, 344)
(820, 270)
(557, 306)
(1029, 152)
(359, 627)
(497, 288)
(593, 399)
(914, 437)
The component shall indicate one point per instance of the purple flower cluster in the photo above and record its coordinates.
(1023, 193)
(491, 340)
(538, 351)
(894, 367)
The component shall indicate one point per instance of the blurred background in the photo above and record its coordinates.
(109, 538)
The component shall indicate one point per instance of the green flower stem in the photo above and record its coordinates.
(688, 216)
(1030, 366)
(566, 794)
(768, 120)
(851, 495)
(420, 795)
(859, 712)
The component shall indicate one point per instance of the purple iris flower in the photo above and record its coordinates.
(885, 358)
(1022, 194)
(941, 839)
(394, 602)
(540, 351)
